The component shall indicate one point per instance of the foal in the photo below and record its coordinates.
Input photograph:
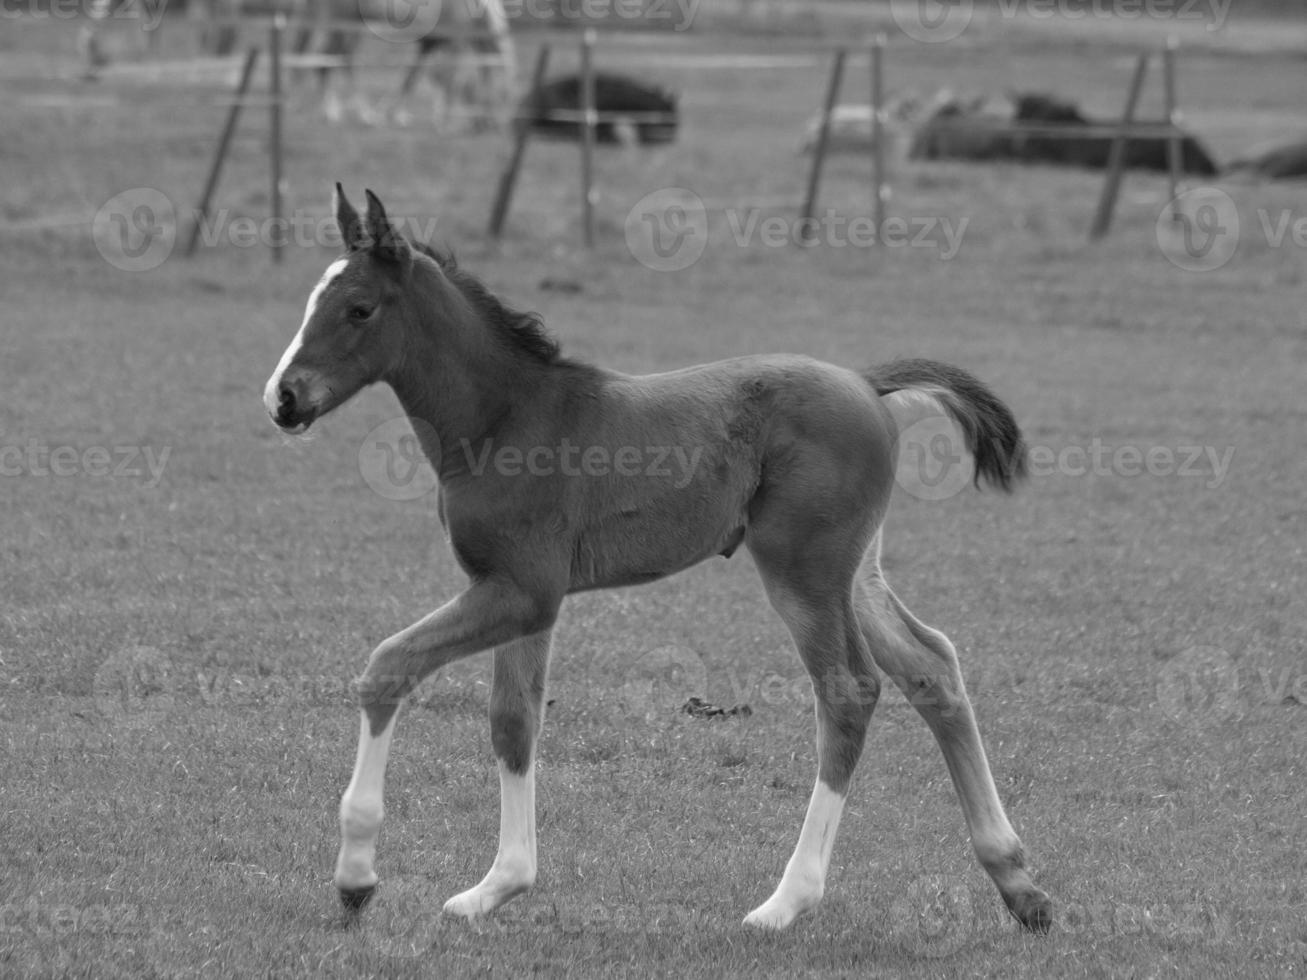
(793, 458)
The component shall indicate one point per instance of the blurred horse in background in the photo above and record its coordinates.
(474, 77)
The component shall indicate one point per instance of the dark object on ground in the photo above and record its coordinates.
(1284, 162)
(551, 285)
(962, 131)
(699, 708)
(613, 93)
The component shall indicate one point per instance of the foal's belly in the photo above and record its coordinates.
(642, 553)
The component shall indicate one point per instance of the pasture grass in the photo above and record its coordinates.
(191, 831)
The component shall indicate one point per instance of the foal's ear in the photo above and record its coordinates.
(348, 221)
(387, 242)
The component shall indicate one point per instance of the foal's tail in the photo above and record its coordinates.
(916, 389)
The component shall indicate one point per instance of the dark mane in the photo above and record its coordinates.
(525, 333)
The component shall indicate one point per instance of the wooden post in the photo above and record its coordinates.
(878, 132)
(278, 239)
(587, 135)
(823, 137)
(1116, 158)
(224, 143)
(1173, 146)
(521, 130)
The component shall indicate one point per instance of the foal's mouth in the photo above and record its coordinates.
(293, 427)
(293, 423)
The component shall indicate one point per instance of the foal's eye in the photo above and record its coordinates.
(359, 313)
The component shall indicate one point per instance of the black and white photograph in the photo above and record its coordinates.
(653, 488)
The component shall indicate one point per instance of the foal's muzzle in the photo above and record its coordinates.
(289, 404)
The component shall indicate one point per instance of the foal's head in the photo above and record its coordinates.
(355, 324)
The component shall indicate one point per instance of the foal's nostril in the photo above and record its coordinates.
(285, 400)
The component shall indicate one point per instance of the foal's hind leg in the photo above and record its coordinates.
(812, 595)
(516, 713)
(923, 663)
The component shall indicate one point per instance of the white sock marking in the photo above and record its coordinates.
(804, 881)
(362, 808)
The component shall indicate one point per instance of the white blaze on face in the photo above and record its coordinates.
(270, 396)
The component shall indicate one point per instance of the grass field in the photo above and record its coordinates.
(1131, 625)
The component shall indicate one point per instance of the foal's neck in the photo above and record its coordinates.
(459, 383)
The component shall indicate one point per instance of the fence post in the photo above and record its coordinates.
(587, 135)
(878, 132)
(1173, 147)
(1116, 159)
(278, 235)
(823, 137)
(521, 130)
(224, 143)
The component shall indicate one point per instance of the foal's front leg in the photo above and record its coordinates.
(516, 714)
(489, 613)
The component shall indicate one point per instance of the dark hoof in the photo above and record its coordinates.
(353, 899)
(1033, 909)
